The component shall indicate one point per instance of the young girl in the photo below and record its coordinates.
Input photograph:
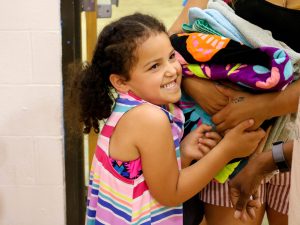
(136, 175)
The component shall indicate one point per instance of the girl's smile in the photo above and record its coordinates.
(156, 77)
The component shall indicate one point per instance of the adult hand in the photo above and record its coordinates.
(244, 205)
(258, 167)
(205, 93)
(244, 194)
(241, 106)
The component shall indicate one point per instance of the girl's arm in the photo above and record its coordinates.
(258, 107)
(183, 16)
(166, 182)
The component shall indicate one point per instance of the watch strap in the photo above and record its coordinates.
(278, 157)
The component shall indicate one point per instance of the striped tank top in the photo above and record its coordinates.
(115, 200)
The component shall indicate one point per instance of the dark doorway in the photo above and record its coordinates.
(74, 175)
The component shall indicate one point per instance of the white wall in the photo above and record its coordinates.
(31, 130)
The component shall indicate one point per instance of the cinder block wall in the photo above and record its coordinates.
(31, 128)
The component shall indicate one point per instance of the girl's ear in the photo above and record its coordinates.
(119, 83)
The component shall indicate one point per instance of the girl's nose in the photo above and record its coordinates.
(171, 69)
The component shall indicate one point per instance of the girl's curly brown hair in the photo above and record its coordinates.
(115, 53)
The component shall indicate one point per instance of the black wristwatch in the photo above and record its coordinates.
(278, 156)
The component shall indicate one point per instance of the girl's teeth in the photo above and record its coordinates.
(170, 85)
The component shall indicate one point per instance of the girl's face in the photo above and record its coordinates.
(156, 76)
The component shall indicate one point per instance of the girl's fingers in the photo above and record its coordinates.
(203, 148)
(208, 142)
(200, 130)
(198, 155)
(213, 135)
(261, 133)
(207, 128)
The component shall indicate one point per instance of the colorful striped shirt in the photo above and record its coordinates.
(116, 200)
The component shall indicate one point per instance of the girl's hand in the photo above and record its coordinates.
(209, 140)
(241, 106)
(205, 93)
(197, 144)
(239, 142)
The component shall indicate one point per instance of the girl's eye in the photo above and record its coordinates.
(155, 66)
(172, 56)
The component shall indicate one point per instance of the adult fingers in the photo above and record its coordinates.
(251, 212)
(256, 199)
(253, 204)
(219, 117)
(240, 215)
(242, 201)
(222, 127)
(225, 125)
(234, 194)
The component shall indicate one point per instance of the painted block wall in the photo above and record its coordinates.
(31, 129)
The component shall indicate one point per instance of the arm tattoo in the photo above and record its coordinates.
(237, 99)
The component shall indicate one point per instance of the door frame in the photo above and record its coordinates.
(73, 141)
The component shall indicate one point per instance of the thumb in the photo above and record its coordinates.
(245, 125)
(225, 90)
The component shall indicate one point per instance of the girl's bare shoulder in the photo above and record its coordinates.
(148, 114)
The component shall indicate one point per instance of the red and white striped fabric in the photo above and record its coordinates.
(275, 193)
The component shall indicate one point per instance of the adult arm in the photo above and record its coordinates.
(205, 93)
(259, 107)
(241, 189)
(183, 16)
